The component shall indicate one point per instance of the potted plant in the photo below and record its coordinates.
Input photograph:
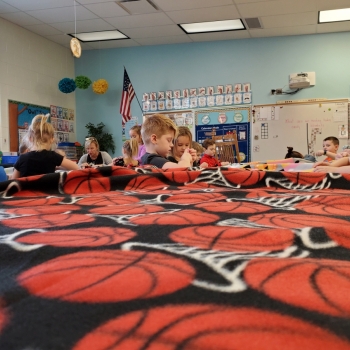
(104, 139)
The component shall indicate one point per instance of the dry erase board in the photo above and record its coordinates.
(301, 126)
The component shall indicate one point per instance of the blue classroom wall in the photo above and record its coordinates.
(264, 62)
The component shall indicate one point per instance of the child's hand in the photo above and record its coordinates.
(204, 165)
(187, 156)
(193, 153)
(225, 163)
(320, 163)
(320, 153)
(342, 154)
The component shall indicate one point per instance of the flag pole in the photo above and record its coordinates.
(135, 93)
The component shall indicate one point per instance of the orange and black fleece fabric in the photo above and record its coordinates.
(116, 258)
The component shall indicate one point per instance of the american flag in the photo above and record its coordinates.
(128, 95)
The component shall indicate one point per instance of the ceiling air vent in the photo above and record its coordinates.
(136, 7)
(253, 23)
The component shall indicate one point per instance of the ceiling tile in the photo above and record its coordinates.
(332, 5)
(113, 44)
(178, 39)
(63, 14)
(147, 20)
(239, 34)
(85, 2)
(107, 9)
(204, 14)
(152, 32)
(26, 5)
(43, 29)
(20, 18)
(89, 25)
(300, 30)
(295, 19)
(138, 7)
(276, 7)
(333, 27)
(6, 8)
(171, 5)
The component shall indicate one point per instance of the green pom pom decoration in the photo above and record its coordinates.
(82, 82)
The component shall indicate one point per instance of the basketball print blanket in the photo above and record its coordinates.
(116, 258)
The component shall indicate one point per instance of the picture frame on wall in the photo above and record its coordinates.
(153, 96)
(228, 89)
(185, 93)
(193, 92)
(210, 90)
(161, 95)
(246, 87)
(169, 94)
(220, 89)
(193, 102)
(177, 94)
(201, 91)
(145, 97)
(237, 98)
(238, 88)
(228, 99)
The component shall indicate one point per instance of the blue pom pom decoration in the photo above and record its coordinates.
(67, 85)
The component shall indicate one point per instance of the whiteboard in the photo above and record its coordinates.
(301, 126)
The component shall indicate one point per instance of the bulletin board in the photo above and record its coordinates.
(302, 126)
(224, 121)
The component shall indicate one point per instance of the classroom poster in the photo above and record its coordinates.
(223, 122)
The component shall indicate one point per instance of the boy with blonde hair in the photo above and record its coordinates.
(158, 133)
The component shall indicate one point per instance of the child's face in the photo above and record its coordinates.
(134, 135)
(182, 143)
(164, 144)
(329, 146)
(210, 151)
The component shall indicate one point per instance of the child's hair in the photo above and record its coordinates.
(183, 131)
(293, 154)
(90, 140)
(131, 148)
(22, 148)
(208, 142)
(40, 133)
(137, 129)
(334, 139)
(157, 124)
(197, 147)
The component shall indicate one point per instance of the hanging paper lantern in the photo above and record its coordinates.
(82, 82)
(67, 85)
(100, 86)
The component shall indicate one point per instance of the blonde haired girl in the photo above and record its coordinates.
(40, 159)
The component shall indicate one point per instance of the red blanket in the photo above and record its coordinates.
(114, 258)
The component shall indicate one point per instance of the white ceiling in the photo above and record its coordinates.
(146, 25)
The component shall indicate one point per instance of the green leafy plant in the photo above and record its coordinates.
(104, 139)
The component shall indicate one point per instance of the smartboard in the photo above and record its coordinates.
(302, 126)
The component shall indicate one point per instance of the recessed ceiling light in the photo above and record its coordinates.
(334, 15)
(100, 36)
(216, 26)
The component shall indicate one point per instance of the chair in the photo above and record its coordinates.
(226, 147)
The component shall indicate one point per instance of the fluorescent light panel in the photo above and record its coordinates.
(217, 26)
(334, 15)
(100, 36)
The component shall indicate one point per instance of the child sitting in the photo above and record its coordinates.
(158, 133)
(199, 149)
(293, 154)
(40, 159)
(135, 133)
(209, 152)
(130, 150)
(182, 142)
(330, 148)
